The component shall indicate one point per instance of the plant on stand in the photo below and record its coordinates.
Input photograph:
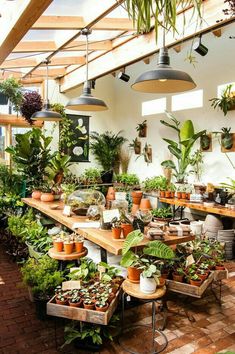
(180, 149)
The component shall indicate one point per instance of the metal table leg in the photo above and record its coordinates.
(103, 255)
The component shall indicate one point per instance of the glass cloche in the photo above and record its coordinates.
(80, 200)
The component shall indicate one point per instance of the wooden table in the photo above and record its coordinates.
(218, 209)
(102, 238)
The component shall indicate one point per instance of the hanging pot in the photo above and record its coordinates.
(227, 141)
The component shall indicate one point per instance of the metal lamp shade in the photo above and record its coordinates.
(164, 79)
(46, 115)
(86, 102)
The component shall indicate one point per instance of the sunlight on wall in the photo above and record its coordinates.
(187, 100)
(154, 106)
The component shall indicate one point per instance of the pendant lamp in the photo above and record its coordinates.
(86, 102)
(46, 114)
(164, 79)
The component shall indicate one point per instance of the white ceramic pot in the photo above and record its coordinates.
(120, 195)
(212, 221)
(147, 285)
(196, 227)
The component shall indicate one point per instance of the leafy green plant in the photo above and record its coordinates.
(226, 138)
(87, 270)
(42, 276)
(226, 101)
(230, 186)
(90, 176)
(196, 162)
(182, 148)
(163, 213)
(57, 166)
(10, 180)
(17, 225)
(31, 155)
(148, 13)
(155, 183)
(11, 88)
(106, 148)
(128, 179)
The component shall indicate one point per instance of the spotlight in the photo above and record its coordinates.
(199, 47)
(123, 77)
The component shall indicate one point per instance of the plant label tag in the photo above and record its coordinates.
(101, 269)
(71, 284)
(128, 298)
(67, 210)
(109, 215)
(189, 260)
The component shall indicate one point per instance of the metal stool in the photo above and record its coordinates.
(134, 290)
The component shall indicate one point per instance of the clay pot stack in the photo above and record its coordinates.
(227, 237)
(136, 199)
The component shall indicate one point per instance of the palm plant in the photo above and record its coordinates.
(148, 13)
(181, 150)
(106, 148)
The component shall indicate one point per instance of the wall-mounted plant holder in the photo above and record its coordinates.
(136, 145)
(228, 143)
(206, 143)
(142, 129)
(148, 154)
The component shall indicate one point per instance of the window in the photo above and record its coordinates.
(187, 100)
(16, 130)
(154, 106)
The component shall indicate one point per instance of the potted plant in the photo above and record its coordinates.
(79, 241)
(178, 273)
(91, 176)
(195, 280)
(142, 129)
(68, 246)
(126, 225)
(75, 301)
(12, 89)
(136, 145)
(205, 142)
(88, 303)
(105, 148)
(226, 102)
(31, 103)
(116, 228)
(149, 278)
(61, 299)
(127, 181)
(67, 189)
(102, 304)
(162, 214)
(46, 195)
(182, 148)
(57, 167)
(226, 138)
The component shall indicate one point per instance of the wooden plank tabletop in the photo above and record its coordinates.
(102, 238)
(218, 209)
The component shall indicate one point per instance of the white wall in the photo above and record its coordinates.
(124, 113)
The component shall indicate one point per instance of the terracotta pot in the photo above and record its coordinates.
(79, 246)
(203, 276)
(102, 309)
(143, 132)
(110, 194)
(126, 229)
(145, 204)
(134, 209)
(179, 194)
(137, 194)
(165, 275)
(111, 297)
(196, 282)
(61, 302)
(36, 194)
(58, 246)
(162, 282)
(133, 273)
(219, 267)
(116, 232)
(177, 277)
(136, 200)
(89, 307)
(47, 197)
(172, 194)
(162, 194)
(75, 304)
(184, 195)
(167, 194)
(188, 196)
(68, 247)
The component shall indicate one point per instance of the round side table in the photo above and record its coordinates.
(132, 289)
(62, 257)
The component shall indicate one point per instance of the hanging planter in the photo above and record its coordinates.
(136, 145)
(227, 138)
(142, 129)
(205, 142)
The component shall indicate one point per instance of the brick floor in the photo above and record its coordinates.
(22, 333)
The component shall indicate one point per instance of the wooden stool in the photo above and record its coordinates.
(132, 289)
(62, 257)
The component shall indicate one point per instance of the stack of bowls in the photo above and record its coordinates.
(212, 225)
(227, 237)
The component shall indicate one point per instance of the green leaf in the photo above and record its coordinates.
(133, 239)
(159, 249)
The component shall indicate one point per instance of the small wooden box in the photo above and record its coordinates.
(188, 289)
(81, 314)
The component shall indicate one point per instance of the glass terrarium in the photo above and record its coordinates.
(80, 200)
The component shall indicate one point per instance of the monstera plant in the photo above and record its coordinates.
(182, 148)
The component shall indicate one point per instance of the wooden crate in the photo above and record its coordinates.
(81, 314)
(188, 289)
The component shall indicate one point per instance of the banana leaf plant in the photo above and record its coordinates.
(147, 14)
(182, 148)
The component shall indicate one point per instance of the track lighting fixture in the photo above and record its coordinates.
(199, 47)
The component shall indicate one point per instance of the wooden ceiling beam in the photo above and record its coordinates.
(145, 45)
(23, 18)
(78, 22)
(29, 63)
(81, 45)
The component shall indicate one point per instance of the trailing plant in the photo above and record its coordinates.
(11, 88)
(148, 13)
(31, 155)
(31, 103)
(226, 101)
(106, 148)
(182, 148)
